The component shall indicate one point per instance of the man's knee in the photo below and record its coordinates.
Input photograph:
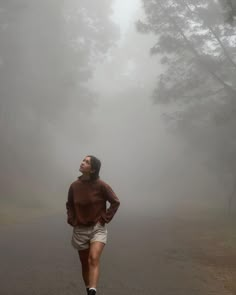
(93, 260)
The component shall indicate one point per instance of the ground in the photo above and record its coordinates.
(172, 254)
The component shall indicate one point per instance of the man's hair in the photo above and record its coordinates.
(95, 165)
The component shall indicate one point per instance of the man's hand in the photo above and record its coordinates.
(101, 221)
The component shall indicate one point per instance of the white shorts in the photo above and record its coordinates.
(84, 235)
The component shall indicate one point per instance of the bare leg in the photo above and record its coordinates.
(95, 252)
(83, 255)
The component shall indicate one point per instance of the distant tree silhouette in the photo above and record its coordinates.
(197, 50)
(48, 52)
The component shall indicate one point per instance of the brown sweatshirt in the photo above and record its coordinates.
(86, 204)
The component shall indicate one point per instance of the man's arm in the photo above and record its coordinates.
(70, 207)
(111, 197)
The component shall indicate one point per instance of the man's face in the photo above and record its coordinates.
(85, 166)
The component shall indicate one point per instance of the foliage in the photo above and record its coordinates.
(197, 49)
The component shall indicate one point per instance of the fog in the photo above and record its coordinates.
(77, 78)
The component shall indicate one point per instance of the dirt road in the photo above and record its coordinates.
(143, 256)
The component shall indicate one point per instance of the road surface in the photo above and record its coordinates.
(143, 256)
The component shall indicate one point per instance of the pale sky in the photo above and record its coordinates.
(124, 12)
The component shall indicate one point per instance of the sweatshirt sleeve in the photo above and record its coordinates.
(70, 207)
(111, 197)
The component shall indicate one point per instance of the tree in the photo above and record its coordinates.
(197, 50)
(48, 51)
(228, 10)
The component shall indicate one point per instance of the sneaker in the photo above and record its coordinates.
(92, 292)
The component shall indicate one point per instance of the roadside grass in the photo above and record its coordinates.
(209, 231)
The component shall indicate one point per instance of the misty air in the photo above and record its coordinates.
(118, 151)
